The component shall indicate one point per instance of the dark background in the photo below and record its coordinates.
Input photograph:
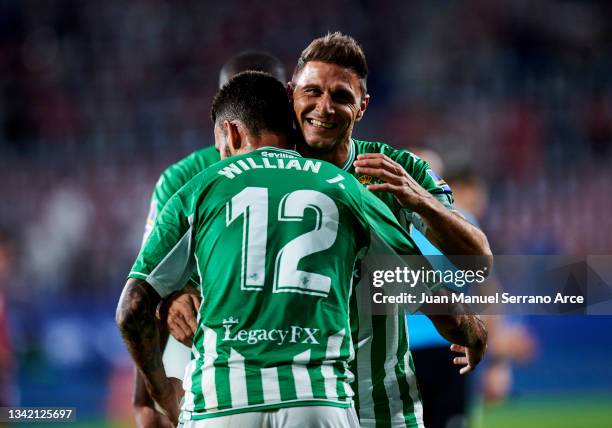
(97, 98)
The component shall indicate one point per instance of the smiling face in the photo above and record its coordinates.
(327, 101)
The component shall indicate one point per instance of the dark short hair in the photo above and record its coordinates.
(336, 48)
(252, 61)
(256, 99)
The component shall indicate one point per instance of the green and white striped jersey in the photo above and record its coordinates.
(176, 176)
(274, 238)
(386, 387)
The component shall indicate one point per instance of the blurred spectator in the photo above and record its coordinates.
(509, 339)
(6, 349)
(97, 98)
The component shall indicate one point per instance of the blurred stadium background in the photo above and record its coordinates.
(97, 98)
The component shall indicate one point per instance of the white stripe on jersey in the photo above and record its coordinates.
(189, 401)
(237, 378)
(332, 353)
(303, 384)
(270, 384)
(412, 383)
(396, 406)
(364, 357)
(209, 387)
(189, 404)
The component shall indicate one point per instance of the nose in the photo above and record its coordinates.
(325, 105)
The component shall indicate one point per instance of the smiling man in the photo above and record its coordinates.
(328, 101)
(274, 238)
(329, 89)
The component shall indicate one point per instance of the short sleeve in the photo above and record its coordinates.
(166, 259)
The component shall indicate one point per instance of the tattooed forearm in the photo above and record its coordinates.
(136, 320)
(141, 396)
(456, 322)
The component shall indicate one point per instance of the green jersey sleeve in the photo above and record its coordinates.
(421, 172)
(389, 238)
(418, 169)
(175, 177)
(384, 225)
(428, 179)
(166, 259)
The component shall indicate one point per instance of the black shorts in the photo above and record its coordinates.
(443, 390)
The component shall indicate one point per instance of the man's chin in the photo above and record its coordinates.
(319, 146)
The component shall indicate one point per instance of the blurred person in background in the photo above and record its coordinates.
(177, 355)
(6, 350)
(329, 88)
(443, 390)
(447, 395)
(509, 339)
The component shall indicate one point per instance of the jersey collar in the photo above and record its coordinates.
(277, 149)
(351, 156)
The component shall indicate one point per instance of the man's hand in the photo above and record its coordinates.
(148, 417)
(470, 359)
(468, 334)
(179, 312)
(446, 229)
(394, 179)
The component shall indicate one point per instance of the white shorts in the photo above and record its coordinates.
(176, 357)
(289, 417)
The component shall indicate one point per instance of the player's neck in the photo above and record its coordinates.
(337, 156)
(271, 139)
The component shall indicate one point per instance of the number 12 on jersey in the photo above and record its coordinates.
(252, 204)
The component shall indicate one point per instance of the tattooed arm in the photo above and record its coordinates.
(135, 318)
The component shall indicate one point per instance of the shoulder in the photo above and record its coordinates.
(193, 189)
(194, 163)
(205, 157)
(404, 157)
(416, 167)
(179, 173)
(342, 184)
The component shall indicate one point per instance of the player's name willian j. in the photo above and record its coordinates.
(272, 162)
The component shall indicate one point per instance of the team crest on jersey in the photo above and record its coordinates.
(365, 179)
(440, 183)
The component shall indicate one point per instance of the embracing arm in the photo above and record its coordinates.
(135, 318)
(451, 232)
(446, 229)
